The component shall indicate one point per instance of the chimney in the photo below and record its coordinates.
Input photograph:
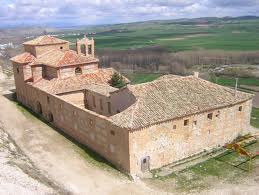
(196, 74)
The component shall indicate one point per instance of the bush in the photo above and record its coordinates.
(117, 80)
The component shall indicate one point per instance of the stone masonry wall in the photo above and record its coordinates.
(70, 70)
(50, 72)
(165, 145)
(86, 127)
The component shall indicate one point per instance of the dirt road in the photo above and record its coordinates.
(56, 157)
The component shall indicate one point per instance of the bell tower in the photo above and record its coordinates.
(85, 46)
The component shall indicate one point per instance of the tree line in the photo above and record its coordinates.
(158, 59)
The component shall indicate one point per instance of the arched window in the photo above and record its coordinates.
(83, 49)
(78, 71)
(38, 108)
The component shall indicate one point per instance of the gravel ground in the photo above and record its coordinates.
(13, 180)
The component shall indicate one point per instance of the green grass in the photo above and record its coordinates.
(240, 35)
(228, 167)
(230, 81)
(137, 78)
(255, 117)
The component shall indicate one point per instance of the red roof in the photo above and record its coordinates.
(58, 58)
(45, 40)
(23, 58)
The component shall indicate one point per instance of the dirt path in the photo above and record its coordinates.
(56, 157)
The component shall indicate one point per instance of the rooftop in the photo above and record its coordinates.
(23, 58)
(45, 40)
(101, 89)
(58, 58)
(177, 97)
(75, 83)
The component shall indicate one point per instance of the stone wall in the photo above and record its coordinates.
(50, 72)
(111, 104)
(171, 141)
(88, 128)
(37, 72)
(40, 49)
(68, 71)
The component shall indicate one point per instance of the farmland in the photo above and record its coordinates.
(217, 34)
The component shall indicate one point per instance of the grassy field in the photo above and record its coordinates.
(218, 34)
(230, 81)
(228, 167)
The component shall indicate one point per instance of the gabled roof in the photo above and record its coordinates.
(45, 40)
(23, 58)
(58, 58)
(75, 83)
(167, 99)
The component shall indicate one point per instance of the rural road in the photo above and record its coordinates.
(56, 157)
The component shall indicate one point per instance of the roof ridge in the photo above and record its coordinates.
(133, 113)
(161, 81)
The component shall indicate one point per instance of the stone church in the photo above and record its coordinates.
(138, 127)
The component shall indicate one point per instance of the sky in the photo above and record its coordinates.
(65, 13)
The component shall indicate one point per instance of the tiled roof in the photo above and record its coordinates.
(168, 76)
(45, 40)
(58, 58)
(163, 100)
(23, 58)
(101, 89)
(74, 83)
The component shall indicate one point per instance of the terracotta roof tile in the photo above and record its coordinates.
(45, 40)
(74, 83)
(163, 100)
(58, 58)
(103, 89)
(23, 58)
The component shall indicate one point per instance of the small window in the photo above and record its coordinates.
(48, 99)
(194, 123)
(94, 103)
(240, 108)
(61, 47)
(210, 115)
(186, 122)
(144, 160)
(174, 127)
(17, 70)
(78, 71)
(74, 113)
(109, 107)
(101, 104)
(112, 132)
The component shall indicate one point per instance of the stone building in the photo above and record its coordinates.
(138, 127)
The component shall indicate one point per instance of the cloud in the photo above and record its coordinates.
(235, 3)
(83, 12)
